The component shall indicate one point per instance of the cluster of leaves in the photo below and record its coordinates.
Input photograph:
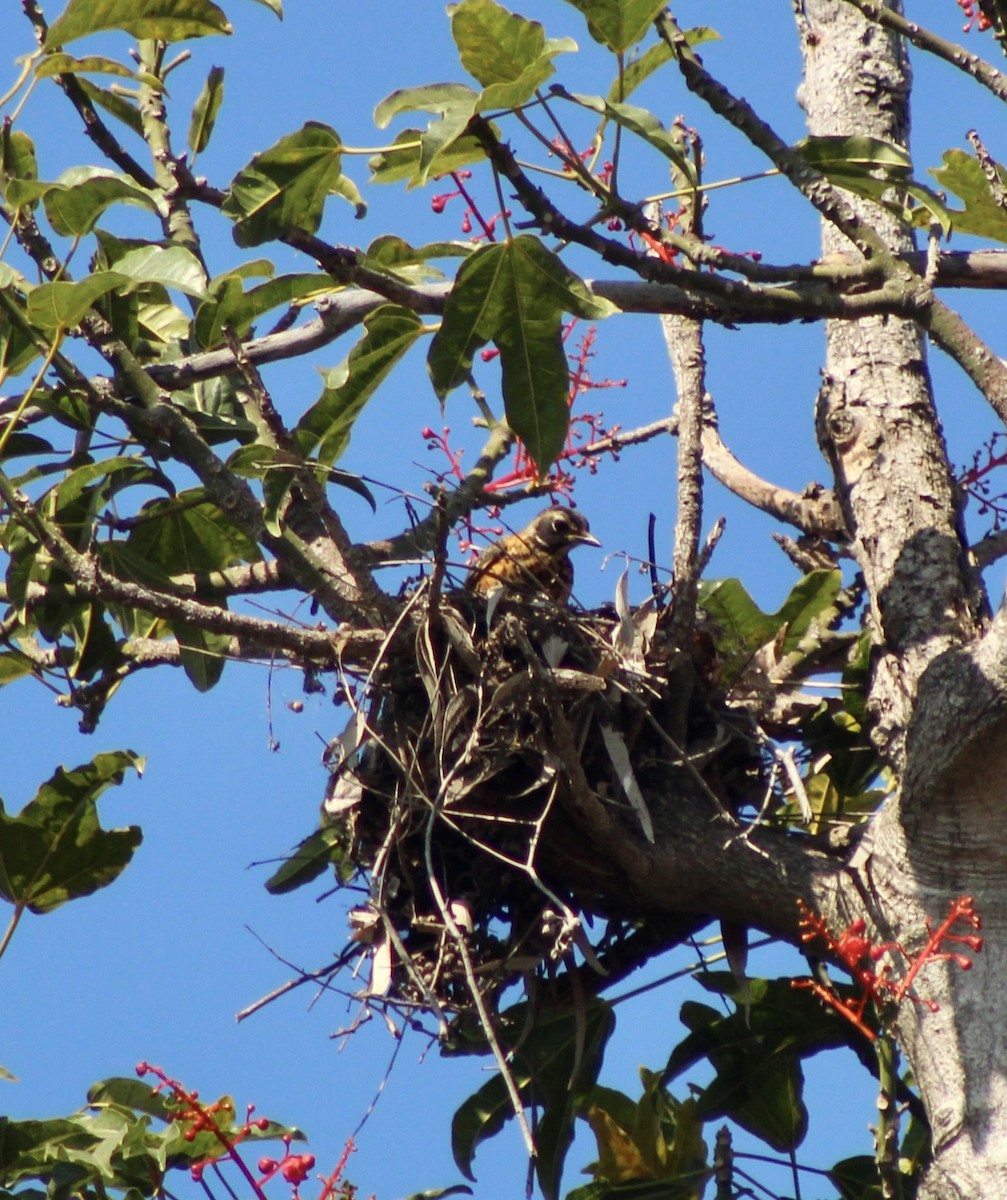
(55, 849)
(655, 1144)
(133, 1138)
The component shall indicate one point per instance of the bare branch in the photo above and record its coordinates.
(924, 39)
(815, 512)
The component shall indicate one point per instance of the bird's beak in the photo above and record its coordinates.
(587, 539)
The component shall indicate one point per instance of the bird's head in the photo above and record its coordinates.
(560, 529)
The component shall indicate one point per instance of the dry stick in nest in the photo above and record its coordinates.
(459, 938)
(405, 770)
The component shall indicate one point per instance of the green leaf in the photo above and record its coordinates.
(390, 331)
(509, 55)
(189, 533)
(75, 201)
(408, 164)
(618, 24)
(170, 266)
(514, 294)
(18, 159)
(763, 1094)
(315, 855)
(856, 1178)
(439, 98)
(94, 64)
(808, 611)
(757, 1053)
(278, 469)
(640, 69)
(855, 153)
(164, 20)
(454, 103)
(61, 305)
(743, 627)
(555, 1062)
(14, 666)
(287, 185)
(389, 251)
(962, 175)
(55, 850)
(877, 169)
(495, 46)
(75, 501)
(123, 108)
(94, 645)
(17, 348)
(641, 122)
(131, 1093)
(205, 110)
(237, 309)
(203, 653)
(20, 444)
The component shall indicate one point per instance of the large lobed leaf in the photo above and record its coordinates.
(55, 850)
(285, 187)
(982, 215)
(165, 20)
(514, 294)
(618, 24)
(509, 55)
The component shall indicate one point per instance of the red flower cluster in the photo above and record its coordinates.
(979, 19)
(857, 954)
(195, 1117)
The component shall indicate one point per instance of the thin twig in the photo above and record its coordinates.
(924, 39)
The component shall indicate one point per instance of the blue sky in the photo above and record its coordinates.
(156, 966)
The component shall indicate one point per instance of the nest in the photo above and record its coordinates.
(473, 786)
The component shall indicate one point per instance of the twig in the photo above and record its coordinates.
(996, 185)
(924, 39)
(945, 327)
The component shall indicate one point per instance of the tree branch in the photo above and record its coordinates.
(924, 39)
(93, 581)
(946, 328)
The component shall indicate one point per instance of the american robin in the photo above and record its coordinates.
(534, 562)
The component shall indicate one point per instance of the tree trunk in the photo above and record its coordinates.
(937, 681)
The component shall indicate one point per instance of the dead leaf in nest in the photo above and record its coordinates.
(381, 968)
(459, 714)
(569, 680)
(632, 637)
(344, 789)
(342, 792)
(511, 687)
(461, 913)
(363, 923)
(619, 754)
(553, 649)
(461, 640)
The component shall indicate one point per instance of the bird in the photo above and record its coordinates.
(535, 562)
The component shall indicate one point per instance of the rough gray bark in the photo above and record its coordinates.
(936, 675)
